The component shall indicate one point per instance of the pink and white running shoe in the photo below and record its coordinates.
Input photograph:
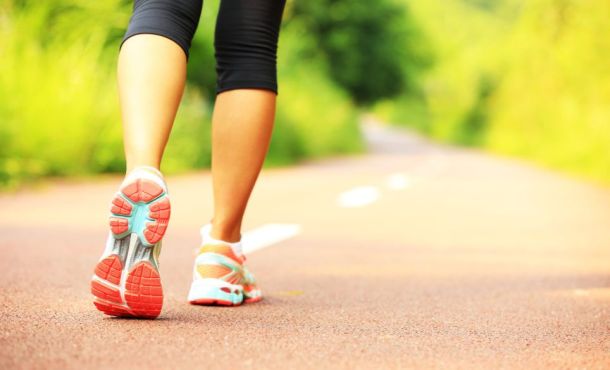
(126, 280)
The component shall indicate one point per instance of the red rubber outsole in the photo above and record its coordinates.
(219, 302)
(142, 190)
(143, 193)
(143, 291)
(253, 300)
(213, 302)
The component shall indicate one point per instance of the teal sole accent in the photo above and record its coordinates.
(138, 218)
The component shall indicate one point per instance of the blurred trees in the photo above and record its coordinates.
(524, 78)
(553, 104)
(373, 49)
(59, 110)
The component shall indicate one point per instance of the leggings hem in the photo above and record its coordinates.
(151, 31)
(234, 85)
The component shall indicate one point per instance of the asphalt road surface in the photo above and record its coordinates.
(413, 255)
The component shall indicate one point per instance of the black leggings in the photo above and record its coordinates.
(245, 40)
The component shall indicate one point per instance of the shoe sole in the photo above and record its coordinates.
(217, 292)
(126, 280)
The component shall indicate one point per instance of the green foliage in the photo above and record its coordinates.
(56, 101)
(373, 49)
(315, 117)
(201, 73)
(59, 112)
(189, 144)
(554, 104)
(525, 78)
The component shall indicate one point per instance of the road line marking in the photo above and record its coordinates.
(267, 235)
(398, 181)
(358, 197)
(580, 292)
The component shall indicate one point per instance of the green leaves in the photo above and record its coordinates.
(369, 47)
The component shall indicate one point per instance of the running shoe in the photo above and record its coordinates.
(220, 277)
(126, 280)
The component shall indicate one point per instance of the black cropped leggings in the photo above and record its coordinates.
(245, 40)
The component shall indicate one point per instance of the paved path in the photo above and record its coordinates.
(412, 256)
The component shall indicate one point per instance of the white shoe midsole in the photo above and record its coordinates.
(201, 288)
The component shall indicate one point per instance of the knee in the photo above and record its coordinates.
(245, 43)
(176, 20)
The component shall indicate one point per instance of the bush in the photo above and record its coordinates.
(57, 89)
(373, 50)
(554, 103)
(520, 78)
(59, 107)
(315, 117)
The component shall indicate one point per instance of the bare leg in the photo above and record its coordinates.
(151, 74)
(241, 130)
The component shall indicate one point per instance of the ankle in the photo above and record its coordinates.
(226, 231)
(207, 238)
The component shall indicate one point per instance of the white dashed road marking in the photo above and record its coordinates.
(267, 235)
(358, 197)
(398, 181)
